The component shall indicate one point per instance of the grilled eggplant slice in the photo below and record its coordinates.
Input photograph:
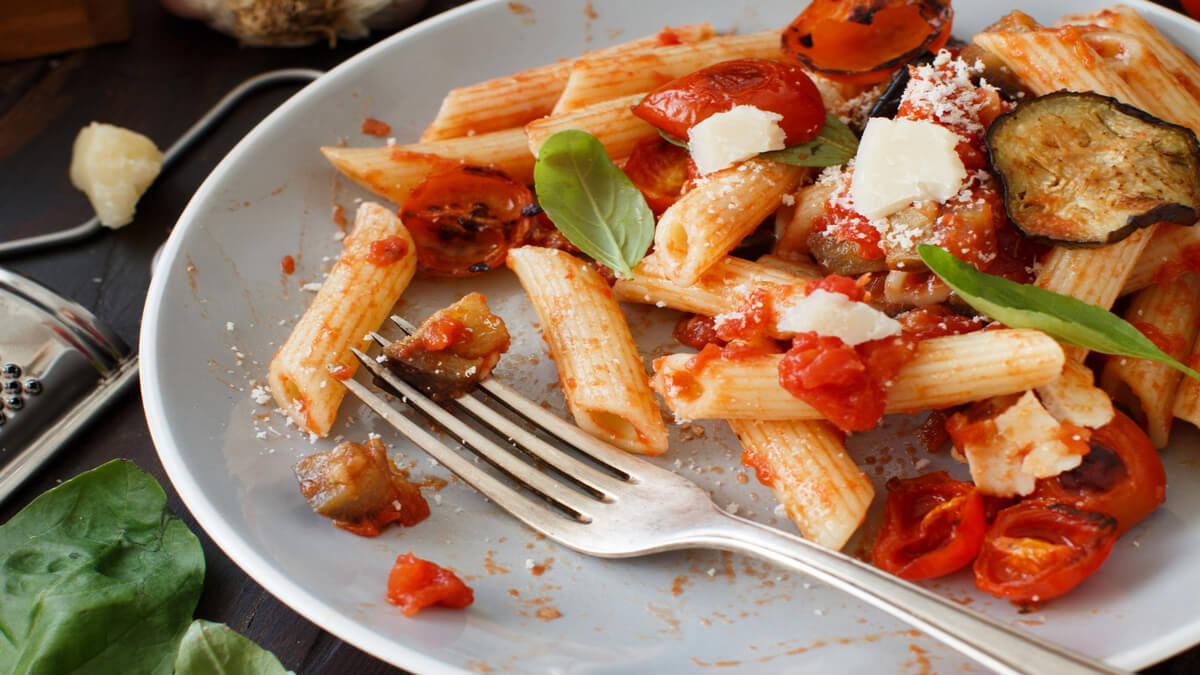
(1084, 170)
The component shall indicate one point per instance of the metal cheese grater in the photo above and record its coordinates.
(58, 367)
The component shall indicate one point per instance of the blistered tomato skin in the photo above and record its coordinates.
(768, 85)
(932, 525)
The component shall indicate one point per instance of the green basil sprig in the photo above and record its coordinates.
(836, 144)
(1062, 317)
(591, 201)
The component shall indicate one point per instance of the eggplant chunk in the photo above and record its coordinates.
(354, 483)
(453, 350)
(1084, 170)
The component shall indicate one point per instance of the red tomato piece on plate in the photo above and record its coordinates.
(414, 584)
(659, 169)
(1038, 550)
(932, 525)
(464, 220)
(768, 85)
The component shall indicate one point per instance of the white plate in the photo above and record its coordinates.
(272, 196)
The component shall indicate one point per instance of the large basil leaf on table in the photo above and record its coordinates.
(97, 576)
(216, 649)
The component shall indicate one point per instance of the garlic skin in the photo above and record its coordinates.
(113, 167)
(293, 23)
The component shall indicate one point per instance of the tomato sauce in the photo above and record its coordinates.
(384, 252)
(847, 385)
(1169, 343)
(341, 372)
(339, 215)
(696, 330)
(443, 332)
(374, 127)
(287, 264)
(849, 225)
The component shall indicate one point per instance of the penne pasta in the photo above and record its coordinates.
(794, 264)
(600, 78)
(610, 121)
(599, 366)
(1171, 250)
(709, 221)
(355, 298)
(721, 289)
(515, 100)
(946, 371)
(805, 464)
(791, 235)
(1187, 396)
(393, 171)
(1170, 315)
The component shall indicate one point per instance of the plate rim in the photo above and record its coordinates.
(263, 572)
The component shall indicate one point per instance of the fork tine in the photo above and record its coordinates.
(598, 450)
(579, 472)
(533, 478)
(536, 515)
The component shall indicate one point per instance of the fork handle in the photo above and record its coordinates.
(982, 638)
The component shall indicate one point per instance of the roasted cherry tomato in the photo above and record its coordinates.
(932, 526)
(767, 85)
(1122, 476)
(865, 41)
(1192, 7)
(659, 169)
(464, 221)
(1038, 550)
(414, 584)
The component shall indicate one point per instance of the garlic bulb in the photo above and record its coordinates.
(287, 23)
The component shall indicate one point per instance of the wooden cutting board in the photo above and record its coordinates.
(35, 27)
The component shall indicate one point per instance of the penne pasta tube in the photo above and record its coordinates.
(1173, 60)
(393, 171)
(721, 289)
(520, 98)
(709, 221)
(1171, 250)
(795, 264)
(376, 266)
(1187, 396)
(1047, 61)
(805, 464)
(600, 78)
(609, 121)
(791, 235)
(1169, 314)
(946, 371)
(599, 367)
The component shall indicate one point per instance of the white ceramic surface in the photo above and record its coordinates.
(272, 196)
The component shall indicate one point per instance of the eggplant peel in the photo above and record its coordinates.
(1085, 170)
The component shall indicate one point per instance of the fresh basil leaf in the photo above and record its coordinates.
(216, 649)
(672, 140)
(98, 577)
(836, 144)
(1062, 317)
(591, 201)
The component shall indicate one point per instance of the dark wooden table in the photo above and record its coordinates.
(158, 83)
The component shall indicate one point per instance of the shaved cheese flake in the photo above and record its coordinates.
(903, 161)
(1028, 444)
(720, 140)
(1074, 398)
(833, 314)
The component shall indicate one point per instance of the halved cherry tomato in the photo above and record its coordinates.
(932, 526)
(1038, 550)
(1122, 476)
(768, 85)
(464, 220)
(865, 41)
(659, 169)
(414, 584)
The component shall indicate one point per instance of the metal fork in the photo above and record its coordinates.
(625, 506)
